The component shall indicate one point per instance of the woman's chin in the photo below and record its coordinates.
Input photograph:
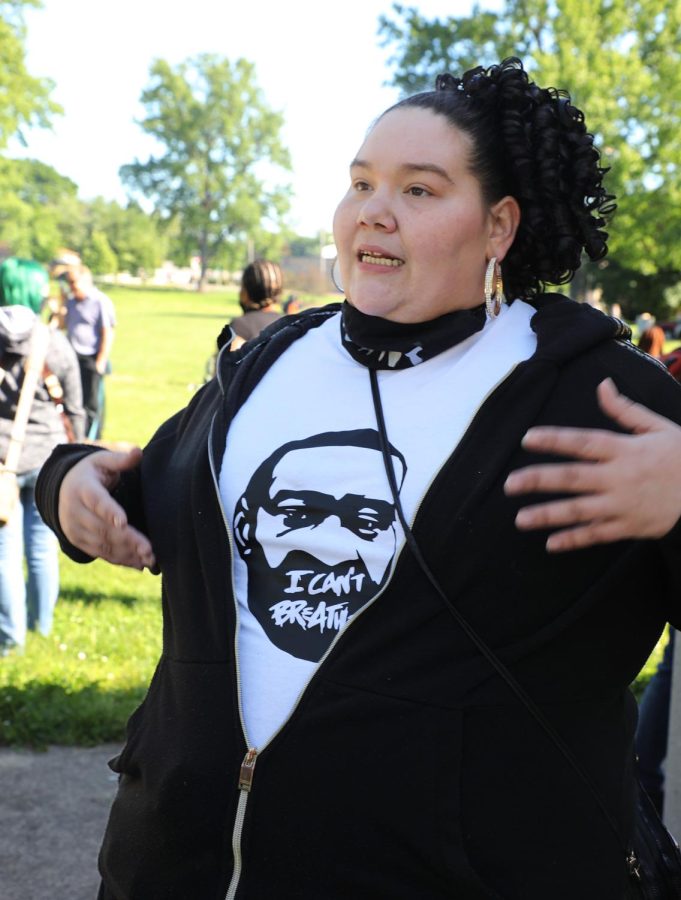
(384, 308)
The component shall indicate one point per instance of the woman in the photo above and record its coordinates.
(30, 603)
(651, 335)
(322, 723)
(261, 286)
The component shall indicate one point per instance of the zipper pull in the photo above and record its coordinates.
(247, 770)
(633, 865)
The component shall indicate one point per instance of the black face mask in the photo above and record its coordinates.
(379, 344)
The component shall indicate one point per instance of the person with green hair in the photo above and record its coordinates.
(23, 282)
(29, 603)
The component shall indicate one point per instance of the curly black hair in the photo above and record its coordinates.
(531, 143)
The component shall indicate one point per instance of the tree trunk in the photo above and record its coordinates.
(203, 253)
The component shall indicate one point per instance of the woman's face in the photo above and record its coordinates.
(413, 233)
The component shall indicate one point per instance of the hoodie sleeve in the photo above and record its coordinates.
(62, 459)
(648, 382)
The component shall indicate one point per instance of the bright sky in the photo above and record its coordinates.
(318, 63)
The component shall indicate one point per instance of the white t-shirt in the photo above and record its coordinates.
(305, 491)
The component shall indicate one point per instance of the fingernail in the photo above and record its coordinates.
(118, 522)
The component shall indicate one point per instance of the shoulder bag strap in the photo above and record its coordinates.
(34, 367)
(482, 646)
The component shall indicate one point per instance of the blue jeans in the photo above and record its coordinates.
(27, 603)
(653, 727)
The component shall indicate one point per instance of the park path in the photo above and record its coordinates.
(53, 811)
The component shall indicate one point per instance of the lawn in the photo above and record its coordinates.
(80, 684)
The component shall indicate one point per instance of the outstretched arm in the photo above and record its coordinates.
(92, 520)
(624, 485)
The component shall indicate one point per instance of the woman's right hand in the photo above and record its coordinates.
(621, 486)
(90, 517)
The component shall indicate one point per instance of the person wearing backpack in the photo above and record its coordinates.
(29, 603)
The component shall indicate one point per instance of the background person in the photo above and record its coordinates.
(403, 766)
(63, 261)
(90, 323)
(652, 732)
(291, 305)
(651, 335)
(261, 286)
(29, 603)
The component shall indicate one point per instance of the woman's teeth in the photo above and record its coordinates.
(380, 260)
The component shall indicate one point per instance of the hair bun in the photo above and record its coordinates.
(447, 82)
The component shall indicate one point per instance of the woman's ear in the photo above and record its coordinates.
(504, 222)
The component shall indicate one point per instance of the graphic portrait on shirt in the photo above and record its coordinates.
(317, 529)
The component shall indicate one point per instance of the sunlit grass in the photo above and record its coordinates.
(80, 684)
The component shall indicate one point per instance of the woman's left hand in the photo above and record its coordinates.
(624, 486)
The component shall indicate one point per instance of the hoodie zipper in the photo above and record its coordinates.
(247, 769)
(245, 782)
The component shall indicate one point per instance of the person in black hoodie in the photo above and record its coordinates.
(381, 746)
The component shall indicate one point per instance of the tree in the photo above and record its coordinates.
(134, 237)
(98, 254)
(24, 100)
(219, 143)
(39, 209)
(621, 61)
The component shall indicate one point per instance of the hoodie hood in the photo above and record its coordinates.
(565, 329)
(16, 326)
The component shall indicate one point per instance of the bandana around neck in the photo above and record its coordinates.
(379, 344)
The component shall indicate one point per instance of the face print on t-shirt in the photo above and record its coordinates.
(316, 527)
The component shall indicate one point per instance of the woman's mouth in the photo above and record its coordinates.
(379, 259)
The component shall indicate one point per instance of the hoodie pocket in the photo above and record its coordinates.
(359, 797)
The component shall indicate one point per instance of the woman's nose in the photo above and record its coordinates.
(376, 212)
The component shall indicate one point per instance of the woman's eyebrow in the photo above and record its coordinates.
(427, 167)
(407, 167)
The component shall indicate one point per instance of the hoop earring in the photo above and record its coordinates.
(335, 277)
(494, 289)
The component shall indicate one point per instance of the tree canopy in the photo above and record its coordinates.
(621, 62)
(40, 211)
(24, 100)
(220, 161)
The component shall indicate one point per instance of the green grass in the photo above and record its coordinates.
(80, 684)
(163, 339)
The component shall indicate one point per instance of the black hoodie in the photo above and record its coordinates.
(407, 770)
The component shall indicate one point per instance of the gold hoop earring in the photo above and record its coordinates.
(494, 289)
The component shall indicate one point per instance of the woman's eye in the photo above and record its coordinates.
(418, 191)
(361, 186)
